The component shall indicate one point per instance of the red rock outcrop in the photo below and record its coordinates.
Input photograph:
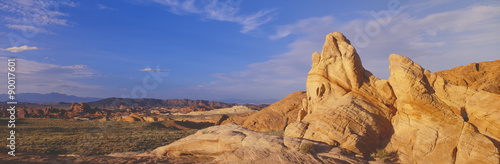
(275, 117)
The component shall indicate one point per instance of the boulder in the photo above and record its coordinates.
(232, 143)
(150, 119)
(131, 118)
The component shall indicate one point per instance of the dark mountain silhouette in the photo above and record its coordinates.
(148, 103)
(45, 98)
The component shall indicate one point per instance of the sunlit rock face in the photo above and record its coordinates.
(345, 103)
(422, 116)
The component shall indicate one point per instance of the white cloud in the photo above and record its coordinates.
(227, 11)
(278, 76)
(437, 41)
(103, 7)
(75, 67)
(35, 77)
(20, 49)
(34, 15)
(28, 28)
(152, 70)
(309, 26)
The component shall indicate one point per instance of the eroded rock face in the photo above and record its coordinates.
(422, 116)
(275, 117)
(82, 107)
(429, 124)
(345, 104)
(232, 143)
(479, 76)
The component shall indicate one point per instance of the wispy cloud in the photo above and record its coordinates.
(28, 28)
(227, 11)
(280, 75)
(309, 26)
(34, 15)
(75, 67)
(46, 78)
(20, 49)
(459, 37)
(437, 41)
(103, 7)
(153, 70)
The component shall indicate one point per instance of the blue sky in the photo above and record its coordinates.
(234, 49)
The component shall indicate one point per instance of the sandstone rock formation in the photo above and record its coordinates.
(131, 118)
(441, 122)
(233, 143)
(274, 117)
(150, 119)
(422, 116)
(345, 103)
(82, 107)
(479, 76)
(237, 109)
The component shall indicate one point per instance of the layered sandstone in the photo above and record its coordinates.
(232, 143)
(275, 117)
(479, 76)
(424, 117)
(438, 121)
(346, 105)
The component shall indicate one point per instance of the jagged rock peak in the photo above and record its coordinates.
(416, 113)
(338, 52)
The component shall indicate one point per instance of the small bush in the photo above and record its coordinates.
(381, 155)
(307, 148)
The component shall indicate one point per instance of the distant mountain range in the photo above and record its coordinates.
(50, 97)
(148, 103)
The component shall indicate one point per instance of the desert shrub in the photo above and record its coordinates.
(307, 148)
(381, 155)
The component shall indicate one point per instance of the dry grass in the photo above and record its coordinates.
(381, 155)
(307, 148)
(280, 133)
(58, 136)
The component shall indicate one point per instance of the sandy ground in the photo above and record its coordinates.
(227, 111)
(29, 158)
